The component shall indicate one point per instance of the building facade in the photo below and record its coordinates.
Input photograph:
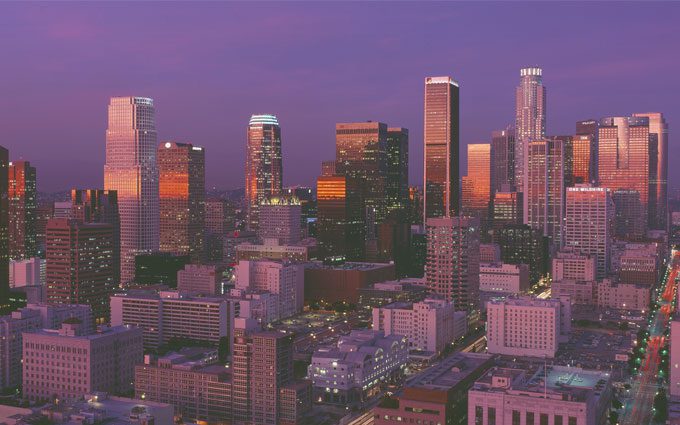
(181, 188)
(264, 165)
(79, 270)
(442, 140)
(530, 112)
(132, 172)
(452, 265)
(23, 204)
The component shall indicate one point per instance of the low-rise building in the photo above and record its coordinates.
(623, 296)
(34, 317)
(170, 314)
(437, 395)
(558, 395)
(571, 265)
(70, 363)
(638, 263)
(200, 279)
(429, 325)
(342, 282)
(580, 291)
(271, 249)
(504, 278)
(191, 380)
(383, 293)
(527, 326)
(489, 253)
(99, 407)
(354, 370)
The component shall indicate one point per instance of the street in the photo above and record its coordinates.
(638, 408)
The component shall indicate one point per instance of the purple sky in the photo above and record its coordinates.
(210, 66)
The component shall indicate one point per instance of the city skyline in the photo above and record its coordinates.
(585, 81)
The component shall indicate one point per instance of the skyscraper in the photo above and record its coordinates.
(502, 158)
(659, 200)
(397, 169)
(340, 217)
(589, 224)
(131, 171)
(544, 188)
(99, 206)
(4, 228)
(452, 265)
(624, 156)
(530, 111)
(442, 139)
(361, 154)
(520, 244)
(630, 217)
(584, 150)
(264, 166)
(476, 201)
(79, 266)
(22, 210)
(181, 189)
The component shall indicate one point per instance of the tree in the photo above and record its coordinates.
(660, 406)
(613, 417)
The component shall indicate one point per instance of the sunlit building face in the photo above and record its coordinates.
(181, 188)
(442, 139)
(624, 147)
(131, 170)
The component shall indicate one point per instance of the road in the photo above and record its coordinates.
(638, 409)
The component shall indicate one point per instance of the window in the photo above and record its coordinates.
(558, 420)
(544, 419)
(479, 415)
(515, 417)
(491, 416)
(529, 418)
(572, 420)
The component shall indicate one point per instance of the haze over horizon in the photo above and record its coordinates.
(209, 66)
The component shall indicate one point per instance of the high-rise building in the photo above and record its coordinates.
(441, 185)
(340, 217)
(589, 224)
(475, 202)
(659, 198)
(280, 220)
(544, 188)
(630, 216)
(4, 228)
(361, 153)
(507, 208)
(99, 206)
(452, 265)
(396, 186)
(584, 150)
(181, 188)
(201, 279)
(502, 159)
(131, 170)
(263, 390)
(530, 112)
(264, 165)
(79, 266)
(624, 156)
(22, 210)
